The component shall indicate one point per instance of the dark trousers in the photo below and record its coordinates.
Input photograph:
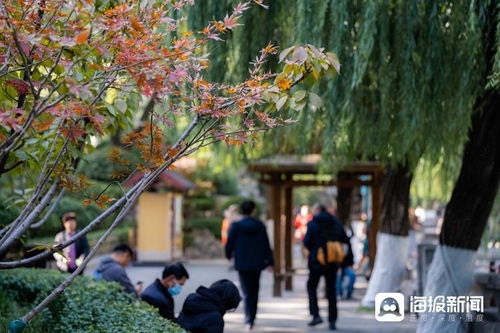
(330, 273)
(250, 286)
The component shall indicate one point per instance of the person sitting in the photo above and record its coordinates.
(159, 293)
(112, 268)
(204, 310)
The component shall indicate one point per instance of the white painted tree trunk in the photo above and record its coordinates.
(389, 268)
(450, 274)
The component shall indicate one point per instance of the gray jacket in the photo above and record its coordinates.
(110, 270)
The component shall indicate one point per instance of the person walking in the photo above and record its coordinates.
(230, 215)
(249, 245)
(323, 228)
(346, 270)
(160, 293)
(77, 251)
(203, 311)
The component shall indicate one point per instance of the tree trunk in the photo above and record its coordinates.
(396, 201)
(467, 212)
(344, 199)
(392, 240)
(475, 190)
(472, 199)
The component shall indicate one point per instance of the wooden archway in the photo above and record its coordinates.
(282, 174)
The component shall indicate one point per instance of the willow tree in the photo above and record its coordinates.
(410, 75)
(477, 185)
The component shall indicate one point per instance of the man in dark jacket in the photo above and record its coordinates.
(76, 252)
(160, 293)
(323, 227)
(249, 245)
(112, 268)
(204, 310)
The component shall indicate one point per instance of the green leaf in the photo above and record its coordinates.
(299, 105)
(285, 53)
(315, 101)
(121, 105)
(111, 109)
(281, 102)
(299, 55)
(299, 95)
(334, 60)
(21, 155)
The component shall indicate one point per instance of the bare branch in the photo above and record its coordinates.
(51, 210)
(98, 220)
(16, 231)
(26, 318)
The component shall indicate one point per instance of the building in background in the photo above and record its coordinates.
(159, 217)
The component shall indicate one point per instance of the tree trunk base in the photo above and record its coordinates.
(450, 274)
(389, 268)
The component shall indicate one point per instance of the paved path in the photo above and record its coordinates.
(280, 315)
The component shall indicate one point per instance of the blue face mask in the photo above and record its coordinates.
(175, 290)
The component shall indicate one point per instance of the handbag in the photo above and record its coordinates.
(333, 252)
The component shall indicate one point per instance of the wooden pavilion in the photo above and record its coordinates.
(281, 174)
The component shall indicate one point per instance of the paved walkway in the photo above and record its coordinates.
(280, 315)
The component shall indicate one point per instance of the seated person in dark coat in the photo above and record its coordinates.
(159, 293)
(204, 310)
(112, 268)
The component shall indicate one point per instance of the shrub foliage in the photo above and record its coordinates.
(85, 306)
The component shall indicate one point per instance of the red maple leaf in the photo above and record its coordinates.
(21, 86)
(73, 133)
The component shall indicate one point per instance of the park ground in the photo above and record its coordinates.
(285, 314)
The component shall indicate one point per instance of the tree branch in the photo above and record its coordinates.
(26, 318)
(15, 232)
(51, 210)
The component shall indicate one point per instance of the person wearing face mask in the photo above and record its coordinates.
(204, 310)
(160, 293)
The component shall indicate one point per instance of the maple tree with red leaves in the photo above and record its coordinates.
(69, 69)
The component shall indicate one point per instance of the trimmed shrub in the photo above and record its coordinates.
(85, 306)
(226, 183)
(237, 200)
(199, 204)
(212, 224)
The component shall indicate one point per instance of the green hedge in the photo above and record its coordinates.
(200, 204)
(119, 235)
(237, 200)
(85, 306)
(212, 224)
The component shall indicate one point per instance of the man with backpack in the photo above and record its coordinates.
(326, 241)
